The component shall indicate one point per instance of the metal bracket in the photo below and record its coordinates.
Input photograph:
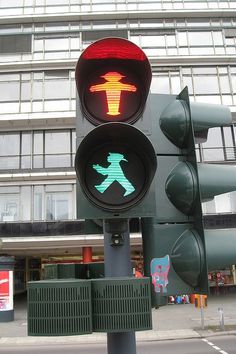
(117, 240)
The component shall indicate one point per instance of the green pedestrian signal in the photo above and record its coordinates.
(115, 160)
(115, 164)
(114, 173)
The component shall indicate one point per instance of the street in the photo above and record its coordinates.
(218, 344)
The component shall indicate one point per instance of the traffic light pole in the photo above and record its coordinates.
(118, 264)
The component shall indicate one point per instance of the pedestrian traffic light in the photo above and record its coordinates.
(115, 161)
(174, 241)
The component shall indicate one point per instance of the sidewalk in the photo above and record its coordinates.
(169, 322)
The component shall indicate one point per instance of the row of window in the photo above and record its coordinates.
(56, 148)
(54, 90)
(38, 202)
(46, 91)
(185, 43)
(37, 149)
(19, 7)
(58, 202)
(130, 24)
(220, 145)
(171, 42)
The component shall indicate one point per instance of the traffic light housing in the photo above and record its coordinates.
(175, 254)
(115, 160)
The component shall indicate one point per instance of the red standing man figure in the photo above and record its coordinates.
(113, 88)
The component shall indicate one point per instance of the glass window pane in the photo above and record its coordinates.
(26, 143)
(213, 154)
(56, 44)
(199, 38)
(214, 138)
(182, 37)
(25, 91)
(187, 81)
(175, 84)
(9, 207)
(26, 148)
(37, 93)
(38, 150)
(38, 142)
(223, 204)
(170, 41)
(57, 149)
(55, 89)
(9, 144)
(38, 203)
(26, 202)
(57, 206)
(10, 91)
(224, 84)
(218, 38)
(57, 142)
(205, 84)
(160, 84)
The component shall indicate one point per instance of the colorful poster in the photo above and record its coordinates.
(6, 290)
(159, 271)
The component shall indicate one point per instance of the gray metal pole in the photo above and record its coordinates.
(202, 312)
(117, 264)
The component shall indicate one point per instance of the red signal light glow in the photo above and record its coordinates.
(113, 88)
(114, 48)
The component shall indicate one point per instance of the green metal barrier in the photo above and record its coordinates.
(50, 271)
(66, 270)
(59, 307)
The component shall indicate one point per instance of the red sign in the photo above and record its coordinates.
(4, 283)
(6, 290)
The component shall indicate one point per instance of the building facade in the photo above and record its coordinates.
(189, 43)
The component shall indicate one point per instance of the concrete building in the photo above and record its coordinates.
(188, 43)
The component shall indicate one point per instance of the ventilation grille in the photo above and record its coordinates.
(121, 304)
(59, 308)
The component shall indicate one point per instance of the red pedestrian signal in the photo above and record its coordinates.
(113, 87)
(113, 77)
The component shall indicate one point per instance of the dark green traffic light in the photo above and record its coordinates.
(177, 232)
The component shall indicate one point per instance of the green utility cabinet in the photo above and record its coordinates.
(121, 304)
(59, 307)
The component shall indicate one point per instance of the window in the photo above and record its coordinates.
(15, 44)
(57, 205)
(37, 202)
(37, 149)
(213, 147)
(57, 149)
(9, 151)
(9, 203)
(90, 36)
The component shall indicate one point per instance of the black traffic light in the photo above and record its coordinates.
(175, 255)
(115, 161)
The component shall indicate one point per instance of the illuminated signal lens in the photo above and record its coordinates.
(112, 96)
(113, 87)
(113, 77)
(115, 164)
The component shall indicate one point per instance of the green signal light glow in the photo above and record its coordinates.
(114, 173)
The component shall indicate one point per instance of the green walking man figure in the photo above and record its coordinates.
(114, 173)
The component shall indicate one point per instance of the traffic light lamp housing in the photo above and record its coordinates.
(174, 241)
(113, 78)
(130, 163)
(115, 161)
